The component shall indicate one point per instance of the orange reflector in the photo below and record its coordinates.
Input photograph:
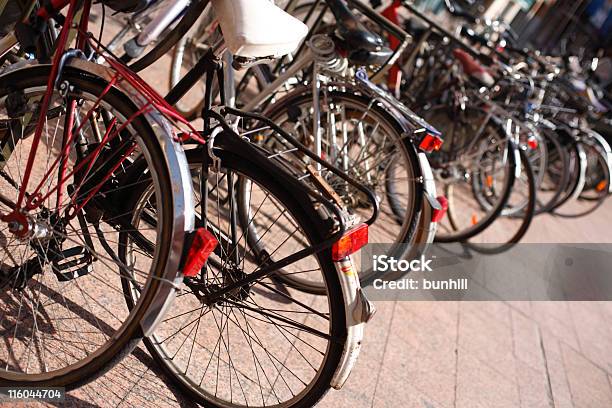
(474, 219)
(352, 241)
(437, 215)
(489, 181)
(430, 142)
(532, 142)
(203, 242)
(601, 186)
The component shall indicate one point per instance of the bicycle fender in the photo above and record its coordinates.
(359, 310)
(182, 191)
(603, 144)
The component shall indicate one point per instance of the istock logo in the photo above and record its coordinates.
(385, 263)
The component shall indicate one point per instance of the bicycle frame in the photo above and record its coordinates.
(71, 129)
(151, 32)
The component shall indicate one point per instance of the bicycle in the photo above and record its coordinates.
(225, 155)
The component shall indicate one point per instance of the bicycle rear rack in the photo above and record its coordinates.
(299, 161)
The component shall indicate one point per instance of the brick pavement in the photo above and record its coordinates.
(449, 354)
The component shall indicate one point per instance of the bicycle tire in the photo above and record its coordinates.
(506, 145)
(97, 362)
(409, 163)
(576, 179)
(556, 153)
(526, 217)
(597, 168)
(315, 228)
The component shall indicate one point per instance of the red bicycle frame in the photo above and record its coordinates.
(392, 15)
(153, 101)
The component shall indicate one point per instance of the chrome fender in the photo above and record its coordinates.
(427, 227)
(358, 312)
(182, 192)
(605, 147)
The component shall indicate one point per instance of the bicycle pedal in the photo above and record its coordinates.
(76, 262)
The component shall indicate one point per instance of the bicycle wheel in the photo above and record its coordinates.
(359, 137)
(61, 321)
(577, 171)
(475, 169)
(596, 184)
(556, 173)
(266, 344)
(516, 217)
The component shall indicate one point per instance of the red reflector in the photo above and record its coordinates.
(202, 245)
(430, 142)
(532, 142)
(437, 215)
(351, 242)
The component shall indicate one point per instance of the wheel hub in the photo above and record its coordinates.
(203, 290)
(24, 226)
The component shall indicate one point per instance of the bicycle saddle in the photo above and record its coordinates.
(257, 28)
(363, 46)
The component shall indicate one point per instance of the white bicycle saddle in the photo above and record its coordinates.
(257, 28)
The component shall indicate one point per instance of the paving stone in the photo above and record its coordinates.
(522, 306)
(534, 389)
(445, 312)
(432, 373)
(397, 394)
(593, 332)
(527, 342)
(479, 386)
(413, 380)
(489, 340)
(497, 311)
(424, 331)
(556, 318)
(589, 385)
(556, 371)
